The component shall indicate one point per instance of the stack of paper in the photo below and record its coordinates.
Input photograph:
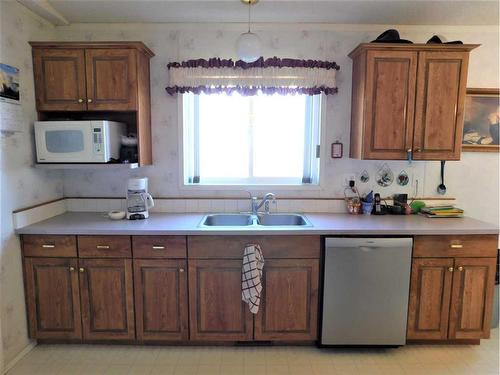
(442, 211)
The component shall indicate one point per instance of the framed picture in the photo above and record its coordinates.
(9, 84)
(481, 121)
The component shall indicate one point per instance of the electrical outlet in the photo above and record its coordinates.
(349, 177)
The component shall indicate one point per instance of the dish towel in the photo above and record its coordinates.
(251, 275)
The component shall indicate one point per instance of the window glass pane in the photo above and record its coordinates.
(278, 128)
(224, 136)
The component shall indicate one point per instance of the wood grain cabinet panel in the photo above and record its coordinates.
(53, 298)
(216, 311)
(472, 298)
(49, 246)
(161, 300)
(111, 79)
(440, 102)
(159, 247)
(390, 82)
(59, 79)
(289, 302)
(429, 303)
(107, 299)
(104, 247)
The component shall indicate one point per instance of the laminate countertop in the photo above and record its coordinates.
(81, 223)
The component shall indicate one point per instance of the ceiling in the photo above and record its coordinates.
(394, 12)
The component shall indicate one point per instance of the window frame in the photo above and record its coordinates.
(240, 184)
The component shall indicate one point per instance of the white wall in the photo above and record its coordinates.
(474, 177)
(21, 185)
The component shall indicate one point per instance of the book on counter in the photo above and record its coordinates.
(442, 211)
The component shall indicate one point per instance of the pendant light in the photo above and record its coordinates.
(248, 45)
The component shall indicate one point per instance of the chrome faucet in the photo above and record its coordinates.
(265, 201)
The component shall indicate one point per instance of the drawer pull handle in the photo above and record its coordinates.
(102, 246)
(158, 247)
(450, 269)
(45, 246)
(456, 246)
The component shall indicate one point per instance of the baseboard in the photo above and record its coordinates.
(19, 356)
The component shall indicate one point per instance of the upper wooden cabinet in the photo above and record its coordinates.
(408, 101)
(83, 78)
(90, 76)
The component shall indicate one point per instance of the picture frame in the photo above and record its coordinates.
(481, 120)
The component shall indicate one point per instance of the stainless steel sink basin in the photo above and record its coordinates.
(282, 220)
(227, 220)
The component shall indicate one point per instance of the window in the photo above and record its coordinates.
(251, 140)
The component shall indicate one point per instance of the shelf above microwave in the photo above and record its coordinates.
(104, 166)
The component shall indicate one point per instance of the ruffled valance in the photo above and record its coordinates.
(270, 76)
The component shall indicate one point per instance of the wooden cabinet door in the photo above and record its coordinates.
(440, 101)
(59, 79)
(53, 298)
(289, 304)
(111, 79)
(389, 111)
(429, 304)
(107, 299)
(161, 299)
(216, 311)
(472, 298)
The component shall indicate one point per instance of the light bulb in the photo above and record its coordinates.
(249, 47)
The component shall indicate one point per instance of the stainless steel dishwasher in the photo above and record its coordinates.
(365, 291)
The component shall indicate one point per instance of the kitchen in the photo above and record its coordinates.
(36, 193)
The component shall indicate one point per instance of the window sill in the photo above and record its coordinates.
(272, 188)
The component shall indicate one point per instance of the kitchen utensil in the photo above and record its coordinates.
(441, 189)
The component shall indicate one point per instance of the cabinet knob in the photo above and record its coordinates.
(81, 270)
(409, 150)
(181, 269)
(418, 149)
(80, 100)
(71, 269)
(460, 268)
(89, 100)
(450, 269)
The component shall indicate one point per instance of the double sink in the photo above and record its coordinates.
(246, 220)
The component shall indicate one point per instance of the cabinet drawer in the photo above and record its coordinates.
(35, 245)
(104, 247)
(455, 246)
(159, 246)
(232, 247)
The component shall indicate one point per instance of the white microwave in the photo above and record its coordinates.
(78, 141)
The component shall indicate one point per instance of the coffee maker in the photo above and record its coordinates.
(139, 201)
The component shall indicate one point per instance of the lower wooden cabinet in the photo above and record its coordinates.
(161, 303)
(53, 298)
(107, 299)
(472, 298)
(289, 302)
(216, 311)
(451, 298)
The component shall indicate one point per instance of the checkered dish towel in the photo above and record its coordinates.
(251, 275)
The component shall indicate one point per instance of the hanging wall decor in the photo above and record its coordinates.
(403, 178)
(385, 177)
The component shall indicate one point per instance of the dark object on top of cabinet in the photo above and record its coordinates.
(408, 101)
(109, 77)
(390, 36)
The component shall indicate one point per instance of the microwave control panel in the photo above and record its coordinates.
(97, 135)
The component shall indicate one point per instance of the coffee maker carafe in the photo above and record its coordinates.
(139, 201)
